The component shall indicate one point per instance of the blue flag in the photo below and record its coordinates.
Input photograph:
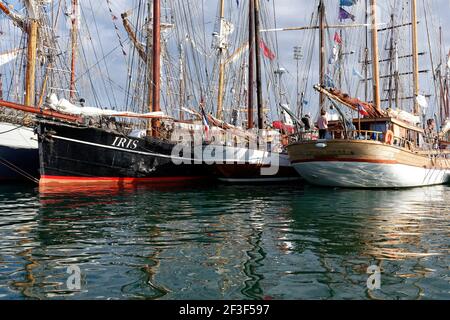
(347, 3)
(343, 15)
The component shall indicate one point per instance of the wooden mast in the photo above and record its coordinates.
(259, 95)
(251, 54)
(30, 77)
(221, 63)
(148, 61)
(415, 56)
(156, 61)
(31, 28)
(322, 50)
(74, 43)
(366, 56)
(375, 59)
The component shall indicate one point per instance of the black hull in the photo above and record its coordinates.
(70, 153)
(16, 160)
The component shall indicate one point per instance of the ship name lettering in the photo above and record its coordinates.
(125, 143)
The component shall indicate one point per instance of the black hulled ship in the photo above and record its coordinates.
(71, 152)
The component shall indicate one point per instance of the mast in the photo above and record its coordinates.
(30, 77)
(366, 55)
(251, 55)
(148, 60)
(156, 63)
(221, 62)
(322, 49)
(258, 67)
(375, 59)
(181, 85)
(74, 43)
(415, 55)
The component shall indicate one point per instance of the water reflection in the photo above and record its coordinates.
(223, 242)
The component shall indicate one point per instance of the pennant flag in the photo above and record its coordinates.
(448, 62)
(205, 121)
(337, 38)
(347, 3)
(266, 51)
(334, 56)
(344, 15)
(362, 110)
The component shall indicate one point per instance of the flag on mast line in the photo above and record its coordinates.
(266, 51)
(337, 38)
(344, 15)
(347, 3)
(362, 110)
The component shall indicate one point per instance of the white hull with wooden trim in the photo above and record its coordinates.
(368, 164)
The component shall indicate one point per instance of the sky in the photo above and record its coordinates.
(289, 13)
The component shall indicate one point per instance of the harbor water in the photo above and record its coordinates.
(223, 242)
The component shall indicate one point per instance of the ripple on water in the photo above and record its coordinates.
(234, 242)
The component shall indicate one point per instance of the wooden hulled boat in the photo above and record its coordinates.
(386, 152)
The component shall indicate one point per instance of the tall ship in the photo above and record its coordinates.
(248, 148)
(396, 146)
(18, 141)
(79, 143)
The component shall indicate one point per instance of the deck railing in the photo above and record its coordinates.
(364, 135)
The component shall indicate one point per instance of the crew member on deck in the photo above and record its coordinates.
(322, 124)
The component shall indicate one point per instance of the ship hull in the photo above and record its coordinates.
(19, 157)
(72, 154)
(364, 164)
(369, 175)
(241, 165)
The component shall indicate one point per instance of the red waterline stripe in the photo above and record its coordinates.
(115, 179)
(346, 160)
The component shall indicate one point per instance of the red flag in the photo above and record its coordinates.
(267, 52)
(337, 38)
(362, 110)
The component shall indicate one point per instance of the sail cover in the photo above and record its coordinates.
(7, 57)
(65, 106)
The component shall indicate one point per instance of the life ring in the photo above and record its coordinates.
(389, 137)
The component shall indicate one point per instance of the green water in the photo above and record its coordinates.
(224, 242)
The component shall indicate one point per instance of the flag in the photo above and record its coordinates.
(205, 121)
(337, 38)
(422, 101)
(344, 15)
(347, 3)
(362, 110)
(448, 62)
(266, 51)
(334, 57)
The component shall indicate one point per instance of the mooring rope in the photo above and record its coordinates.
(16, 169)
(10, 130)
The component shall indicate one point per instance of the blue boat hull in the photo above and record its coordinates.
(25, 159)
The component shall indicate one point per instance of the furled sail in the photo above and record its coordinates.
(7, 57)
(65, 106)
